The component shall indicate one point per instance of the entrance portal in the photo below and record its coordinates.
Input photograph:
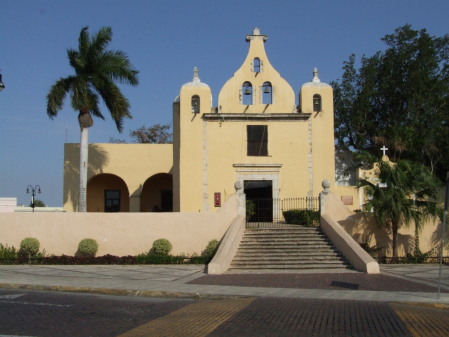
(260, 194)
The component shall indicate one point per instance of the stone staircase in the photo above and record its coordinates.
(287, 248)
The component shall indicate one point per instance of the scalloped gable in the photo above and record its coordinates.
(231, 100)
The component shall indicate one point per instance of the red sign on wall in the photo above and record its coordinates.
(217, 199)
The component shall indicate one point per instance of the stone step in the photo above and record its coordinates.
(282, 232)
(282, 241)
(287, 253)
(281, 245)
(287, 248)
(312, 265)
(286, 237)
(281, 261)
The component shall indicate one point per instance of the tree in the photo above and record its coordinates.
(407, 192)
(96, 71)
(155, 134)
(37, 203)
(399, 98)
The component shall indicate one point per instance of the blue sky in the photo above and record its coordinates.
(165, 40)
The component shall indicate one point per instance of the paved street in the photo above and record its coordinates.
(55, 314)
(181, 300)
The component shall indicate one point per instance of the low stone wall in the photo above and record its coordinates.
(118, 233)
(228, 247)
(364, 230)
(332, 210)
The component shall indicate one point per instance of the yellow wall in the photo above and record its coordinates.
(133, 163)
(209, 152)
(229, 99)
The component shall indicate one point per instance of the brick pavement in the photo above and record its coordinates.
(336, 281)
(276, 317)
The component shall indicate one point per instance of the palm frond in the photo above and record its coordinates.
(117, 65)
(116, 103)
(56, 96)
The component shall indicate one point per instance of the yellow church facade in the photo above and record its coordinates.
(257, 137)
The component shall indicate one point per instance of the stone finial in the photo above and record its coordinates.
(238, 186)
(326, 185)
(315, 79)
(196, 78)
(256, 35)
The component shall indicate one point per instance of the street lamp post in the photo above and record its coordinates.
(2, 85)
(443, 231)
(33, 190)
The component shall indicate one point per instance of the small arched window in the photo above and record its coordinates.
(195, 104)
(267, 93)
(247, 93)
(256, 65)
(316, 103)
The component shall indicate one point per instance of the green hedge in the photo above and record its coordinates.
(303, 217)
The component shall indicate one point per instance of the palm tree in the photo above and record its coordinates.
(96, 71)
(406, 192)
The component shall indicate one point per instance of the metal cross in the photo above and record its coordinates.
(384, 149)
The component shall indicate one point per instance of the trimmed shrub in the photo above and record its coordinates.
(88, 247)
(210, 250)
(29, 247)
(302, 217)
(162, 246)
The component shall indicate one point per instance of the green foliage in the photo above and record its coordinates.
(162, 246)
(29, 247)
(406, 192)
(250, 208)
(88, 247)
(158, 258)
(96, 71)
(7, 253)
(398, 97)
(37, 203)
(303, 217)
(210, 250)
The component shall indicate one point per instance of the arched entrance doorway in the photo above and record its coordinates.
(157, 194)
(107, 193)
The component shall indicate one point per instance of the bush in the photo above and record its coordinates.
(158, 258)
(29, 247)
(88, 247)
(162, 246)
(210, 250)
(303, 217)
(7, 253)
(250, 209)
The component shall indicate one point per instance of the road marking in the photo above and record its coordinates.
(11, 297)
(197, 320)
(37, 303)
(421, 320)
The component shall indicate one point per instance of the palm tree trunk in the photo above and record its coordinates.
(395, 241)
(84, 152)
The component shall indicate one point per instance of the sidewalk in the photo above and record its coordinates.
(397, 283)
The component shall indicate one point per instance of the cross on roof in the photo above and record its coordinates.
(384, 149)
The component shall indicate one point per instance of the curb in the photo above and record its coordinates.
(120, 292)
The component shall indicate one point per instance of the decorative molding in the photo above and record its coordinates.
(222, 117)
(257, 165)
